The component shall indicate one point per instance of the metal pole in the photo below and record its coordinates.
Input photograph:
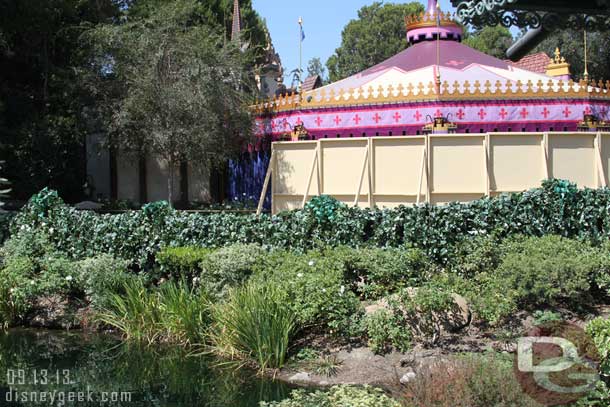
(300, 54)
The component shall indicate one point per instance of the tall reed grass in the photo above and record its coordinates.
(254, 326)
(172, 313)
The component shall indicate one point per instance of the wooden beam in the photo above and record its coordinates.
(602, 179)
(487, 160)
(545, 155)
(310, 178)
(371, 169)
(428, 170)
(261, 200)
(364, 165)
(319, 170)
(421, 173)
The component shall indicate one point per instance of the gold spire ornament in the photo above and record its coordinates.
(558, 67)
(438, 47)
(586, 59)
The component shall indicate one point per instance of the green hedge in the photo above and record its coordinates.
(558, 207)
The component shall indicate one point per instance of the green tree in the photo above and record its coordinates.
(571, 44)
(216, 14)
(171, 89)
(378, 33)
(42, 122)
(315, 67)
(491, 40)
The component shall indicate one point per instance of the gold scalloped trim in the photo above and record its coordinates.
(553, 89)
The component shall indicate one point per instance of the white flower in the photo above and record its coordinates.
(51, 230)
(311, 263)
(324, 290)
(342, 290)
(300, 275)
(12, 290)
(32, 282)
(68, 278)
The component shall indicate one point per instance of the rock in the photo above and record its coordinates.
(376, 306)
(408, 377)
(504, 346)
(458, 318)
(461, 315)
(302, 377)
(88, 206)
(408, 360)
(54, 312)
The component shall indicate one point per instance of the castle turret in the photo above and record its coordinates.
(431, 24)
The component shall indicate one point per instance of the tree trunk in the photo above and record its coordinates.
(170, 182)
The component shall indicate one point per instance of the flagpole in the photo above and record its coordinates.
(300, 54)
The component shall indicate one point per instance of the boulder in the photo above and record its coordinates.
(456, 319)
(302, 377)
(54, 312)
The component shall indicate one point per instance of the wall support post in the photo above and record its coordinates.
(261, 201)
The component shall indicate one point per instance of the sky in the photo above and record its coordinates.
(323, 21)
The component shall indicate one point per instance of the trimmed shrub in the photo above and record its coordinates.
(229, 267)
(314, 287)
(550, 269)
(386, 330)
(377, 272)
(181, 262)
(254, 325)
(337, 396)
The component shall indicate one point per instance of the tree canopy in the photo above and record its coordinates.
(491, 40)
(42, 124)
(172, 89)
(46, 106)
(315, 67)
(571, 44)
(378, 33)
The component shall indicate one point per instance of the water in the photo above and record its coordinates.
(47, 368)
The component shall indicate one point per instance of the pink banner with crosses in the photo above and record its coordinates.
(409, 118)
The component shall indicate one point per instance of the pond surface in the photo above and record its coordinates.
(75, 369)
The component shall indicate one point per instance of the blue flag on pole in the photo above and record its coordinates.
(302, 34)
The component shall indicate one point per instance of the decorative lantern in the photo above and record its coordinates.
(298, 133)
(591, 123)
(439, 125)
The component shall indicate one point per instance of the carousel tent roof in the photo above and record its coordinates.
(418, 64)
(438, 76)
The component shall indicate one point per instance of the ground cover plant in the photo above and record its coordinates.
(337, 396)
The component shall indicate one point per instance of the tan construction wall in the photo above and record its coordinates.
(390, 171)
